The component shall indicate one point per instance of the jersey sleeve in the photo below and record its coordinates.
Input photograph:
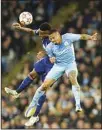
(73, 37)
(49, 50)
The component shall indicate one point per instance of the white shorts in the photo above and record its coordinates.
(57, 71)
(72, 66)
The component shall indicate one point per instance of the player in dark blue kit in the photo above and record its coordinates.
(41, 67)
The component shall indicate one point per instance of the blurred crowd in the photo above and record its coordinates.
(59, 109)
(15, 44)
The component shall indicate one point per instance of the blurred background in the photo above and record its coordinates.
(19, 52)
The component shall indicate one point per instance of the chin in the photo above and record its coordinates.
(58, 42)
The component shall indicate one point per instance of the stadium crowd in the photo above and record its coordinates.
(59, 109)
(15, 45)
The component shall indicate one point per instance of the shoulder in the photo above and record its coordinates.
(50, 45)
(71, 36)
(67, 35)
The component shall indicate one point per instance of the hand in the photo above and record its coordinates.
(41, 54)
(16, 26)
(94, 36)
(52, 59)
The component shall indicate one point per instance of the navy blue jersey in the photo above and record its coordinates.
(45, 42)
(43, 66)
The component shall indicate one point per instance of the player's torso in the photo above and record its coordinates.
(64, 52)
(44, 66)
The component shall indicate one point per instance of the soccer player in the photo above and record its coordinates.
(41, 67)
(62, 51)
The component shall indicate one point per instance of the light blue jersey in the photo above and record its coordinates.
(63, 52)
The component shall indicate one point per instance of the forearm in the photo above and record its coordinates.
(85, 37)
(23, 29)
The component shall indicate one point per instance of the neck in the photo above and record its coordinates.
(60, 40)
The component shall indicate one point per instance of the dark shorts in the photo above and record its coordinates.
(42, 67)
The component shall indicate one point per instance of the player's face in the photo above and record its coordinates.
(55, 38)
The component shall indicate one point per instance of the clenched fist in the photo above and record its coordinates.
(94, 36)
(52, 59)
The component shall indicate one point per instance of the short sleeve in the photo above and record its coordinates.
(72, 37)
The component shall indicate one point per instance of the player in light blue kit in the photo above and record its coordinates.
(60, 51)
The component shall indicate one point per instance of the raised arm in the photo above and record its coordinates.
(75, 37)
(88, 37)
(18, 27)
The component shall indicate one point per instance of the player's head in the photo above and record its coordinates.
(44, 29)
(55, 37)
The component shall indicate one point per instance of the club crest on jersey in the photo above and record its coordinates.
(66, 43)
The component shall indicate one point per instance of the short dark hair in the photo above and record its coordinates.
(45, 27)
